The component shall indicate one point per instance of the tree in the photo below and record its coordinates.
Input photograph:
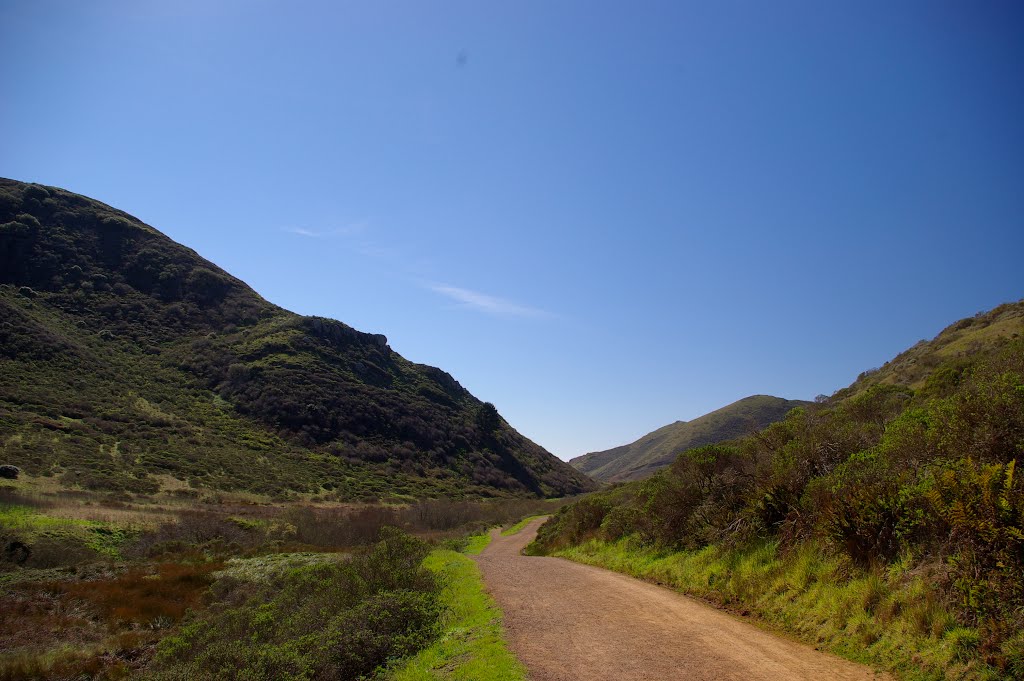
(487, 417)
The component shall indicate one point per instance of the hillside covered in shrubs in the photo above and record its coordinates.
(658, 449)
(127, 361)
(886, 523)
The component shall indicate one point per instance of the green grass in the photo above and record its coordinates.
(884, 619)
(471, 647)
(477, 543)
(262, 569)
(507, 532)
(27, 524)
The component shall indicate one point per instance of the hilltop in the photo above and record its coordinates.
(658, 449)
(130, 363)
(950, 352)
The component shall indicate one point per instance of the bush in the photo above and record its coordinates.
(342, 620)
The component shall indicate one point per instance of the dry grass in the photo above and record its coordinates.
(110, 576)
(96, 628)
(130, 517)
(153, 597)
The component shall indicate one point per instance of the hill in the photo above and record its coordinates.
(885, 523)
(955, 347)
(659, 449)
(128, 362)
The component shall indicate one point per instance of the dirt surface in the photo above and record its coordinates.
(569, 622)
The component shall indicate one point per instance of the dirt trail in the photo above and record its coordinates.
(569, 622)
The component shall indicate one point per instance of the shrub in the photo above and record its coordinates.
(341, 620)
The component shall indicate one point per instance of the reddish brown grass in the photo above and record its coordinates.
(110, 624)
(143, 596)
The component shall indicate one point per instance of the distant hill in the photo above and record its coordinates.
(128, 362)
(659, 449)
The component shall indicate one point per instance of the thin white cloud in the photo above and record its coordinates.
(303, 232)
(482, 302)
(345, 230)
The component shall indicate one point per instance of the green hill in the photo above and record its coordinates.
(885, 523)
(956, 347)
(659, 449)
(128, 362)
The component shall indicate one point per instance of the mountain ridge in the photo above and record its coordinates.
(658, 449)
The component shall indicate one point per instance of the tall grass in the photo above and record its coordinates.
(471, 647)
(475, 544)
(101, 627)
(886, 618)
(514, 529)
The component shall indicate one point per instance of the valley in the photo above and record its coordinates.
(523, 341)
(191, 472)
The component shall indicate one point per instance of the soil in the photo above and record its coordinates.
(567, 622)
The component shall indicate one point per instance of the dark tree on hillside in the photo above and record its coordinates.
(487, 417)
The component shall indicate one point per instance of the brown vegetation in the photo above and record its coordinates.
(108, 578)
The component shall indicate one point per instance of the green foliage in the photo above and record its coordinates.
(31, 539)
(487, 417)
(869, 477)
(983, 509)
(471, 645)
(893, 618)
(337, 619)
(477, 543)
(515, 529)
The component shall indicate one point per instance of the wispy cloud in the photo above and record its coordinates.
(345, 230)
(482, 302)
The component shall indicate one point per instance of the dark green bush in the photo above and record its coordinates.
(343, 620)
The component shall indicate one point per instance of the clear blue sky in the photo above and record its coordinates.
(602, 217)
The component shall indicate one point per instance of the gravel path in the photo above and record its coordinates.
(573, 622)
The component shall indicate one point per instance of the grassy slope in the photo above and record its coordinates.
(124, 355)
(955, 344)
(471, 648)
(659, 448)
(514, 529)
(477, 543)
(887, 619)
(886, 525)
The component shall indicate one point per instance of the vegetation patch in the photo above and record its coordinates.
(269, 567)
(890, 618)
(514, 529)
(102, 627)
(347, 619)
(471, 646)
(30, 538)
(476, 544)
(887, 521)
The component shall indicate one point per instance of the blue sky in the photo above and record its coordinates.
(602, 217)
